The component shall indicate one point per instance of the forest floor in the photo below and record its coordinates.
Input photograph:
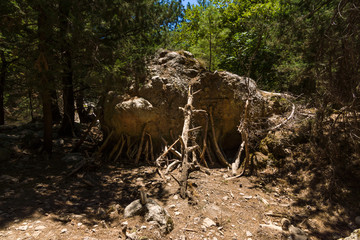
(39, 200)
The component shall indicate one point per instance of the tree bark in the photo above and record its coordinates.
(80, 107)
(2, 86)
(44, 29)
(67, 124)
(55, 111)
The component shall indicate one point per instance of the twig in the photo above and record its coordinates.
(172, 166)
(166, 152)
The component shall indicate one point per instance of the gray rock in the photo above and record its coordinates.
(153, 213)
(133, 209)
(157, 213)
(208, 223)
(297, 234)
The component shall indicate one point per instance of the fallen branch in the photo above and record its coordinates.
(286, 120)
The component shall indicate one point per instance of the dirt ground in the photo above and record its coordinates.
(39, 200)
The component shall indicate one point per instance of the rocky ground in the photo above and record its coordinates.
(44, 198)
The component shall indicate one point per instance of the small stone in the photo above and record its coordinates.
(248, 197)
(36, 234)
(124, 223)
(248, 234)
(22, 228)
(177, 213)
(172, 206)
(175, 197)
(143, 227)
(196, 220)
(225, 198)
(63, 231)
(79, 224)
(39, 228)
(208, 222)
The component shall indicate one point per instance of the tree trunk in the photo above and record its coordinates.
(2, 85)
(80, 106)
(67, 124)
(44, 29)
(55, 111)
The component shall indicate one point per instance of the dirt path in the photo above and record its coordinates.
(39, 201)
(90, 205)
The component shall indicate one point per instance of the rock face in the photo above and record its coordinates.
(155, 105)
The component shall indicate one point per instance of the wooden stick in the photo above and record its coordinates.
(105, 142)
(185, 138)
(202, 155)
(209, 154)
(172, 166)
(217, 149)
(115, 148)
(235, 165)
(121, 148)
(151, 148)
(146, 152)
(166, 151)
(140, 146)
(78, 144)
(171, 149)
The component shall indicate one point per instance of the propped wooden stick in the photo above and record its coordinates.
(171, 149)
(105, 143)
(235, 165)
(121, 148)
(165, 152)
(140, 146)
(151, 148)
(115, 148)
(78, 144)
(202, 154)
(216, 146)
(146, 152)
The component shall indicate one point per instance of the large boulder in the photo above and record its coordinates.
(156, 104)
